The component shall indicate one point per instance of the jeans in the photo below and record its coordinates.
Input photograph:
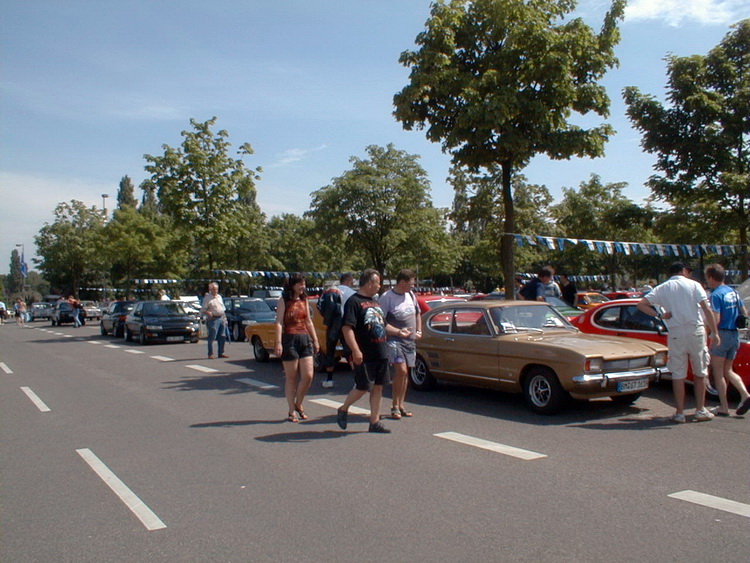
(76, 318)
(216, 331)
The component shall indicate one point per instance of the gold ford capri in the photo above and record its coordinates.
(528, 347)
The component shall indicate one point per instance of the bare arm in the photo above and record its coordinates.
(351, 341)
(280, 309)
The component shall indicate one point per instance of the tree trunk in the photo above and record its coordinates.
(507, 242)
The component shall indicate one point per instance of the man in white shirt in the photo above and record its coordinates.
(685, 307)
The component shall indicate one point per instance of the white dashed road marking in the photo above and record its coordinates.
(254, 383)
(203, 369)
(162, 358)
(35, 399)
(94, 341)
(136, 505)
(5, 368)
(711, 501)
(336, 405)
(525, 455)
(112, 346)
(132, 351)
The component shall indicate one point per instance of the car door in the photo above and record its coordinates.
(466, 351)
(629, 321)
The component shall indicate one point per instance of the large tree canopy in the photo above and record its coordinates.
(381, 207)
(208, 194)
(702, 140)
(496, 81)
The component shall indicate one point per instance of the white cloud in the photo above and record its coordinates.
(290, 156)
(677, 12)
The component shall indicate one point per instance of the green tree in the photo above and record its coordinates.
(496, 81)
(69, 249)
(205, 190)
(126, 194)
(136, 245)
(702, 140)
(599, 211)
(15, 277)
(381, 208)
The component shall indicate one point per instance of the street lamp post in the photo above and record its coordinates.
(104, 204)
(23, 266)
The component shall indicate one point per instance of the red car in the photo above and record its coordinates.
(623, 294)
(621, 317)
(428, 301)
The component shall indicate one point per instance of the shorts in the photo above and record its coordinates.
(687, 343)
(369, 374)
(730, 344)
(402, 352)
(295, 347)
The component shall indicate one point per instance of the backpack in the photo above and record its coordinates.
(329, 306)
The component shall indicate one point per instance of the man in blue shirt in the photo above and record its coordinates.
(726, 306)
(535, 288)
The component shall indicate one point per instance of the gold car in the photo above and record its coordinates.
(262, 337)
(530, 348)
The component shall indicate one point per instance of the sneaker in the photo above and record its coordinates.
(378, 428)
(744, 407)
(328, 383)
(341, 418)
(678, 418)
(703, 415)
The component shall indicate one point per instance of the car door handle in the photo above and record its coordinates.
(450, 339)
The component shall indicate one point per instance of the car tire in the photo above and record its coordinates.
(128, 335)
(238, 334)
(260, 353)
(543, 391)
(626, 399)
(420, 377)
(52, 321)
(142, 338)
(102, 329)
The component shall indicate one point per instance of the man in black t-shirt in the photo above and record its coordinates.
(364, 332)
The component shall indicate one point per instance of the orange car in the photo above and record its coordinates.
(589, 299)
(262, 337)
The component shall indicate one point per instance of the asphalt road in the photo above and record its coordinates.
(120, 452)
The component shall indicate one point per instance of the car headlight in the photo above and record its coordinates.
(593, 365)
(660, 359)
(153, 327)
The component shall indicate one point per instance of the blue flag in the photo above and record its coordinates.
(24, 266)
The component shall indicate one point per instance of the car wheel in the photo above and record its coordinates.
(420, 377)
(128, 335)
(261, 354)
(543, 391)
(626, 399)
(237, 334)
(102, 329)
(142, 338)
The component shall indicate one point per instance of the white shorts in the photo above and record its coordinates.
(687, 343)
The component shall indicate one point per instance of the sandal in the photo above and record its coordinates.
(406, 413)
(395, 413)
(292, 417)
(302, 414)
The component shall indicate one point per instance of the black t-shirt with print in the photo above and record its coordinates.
(366, 317)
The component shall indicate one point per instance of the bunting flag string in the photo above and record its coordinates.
(629, 248)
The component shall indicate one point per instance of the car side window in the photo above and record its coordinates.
(635, 319)
(608, 318)
(441, 322)
(470, 321)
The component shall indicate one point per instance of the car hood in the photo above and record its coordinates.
(149, 319)
(258, 317)
(592, 344)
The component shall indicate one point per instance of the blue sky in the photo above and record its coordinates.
(88, 87)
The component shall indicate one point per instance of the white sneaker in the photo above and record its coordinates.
(328, 383)
(703, 415)
(678, 418)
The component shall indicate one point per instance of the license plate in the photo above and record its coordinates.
(175, 338)
(635, 385)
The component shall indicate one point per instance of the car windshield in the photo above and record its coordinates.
(164, 309)
(41, 305)
(253, 306)
(514, 319)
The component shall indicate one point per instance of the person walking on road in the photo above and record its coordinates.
(404, 328)
(214, 309)
(726, 306)
(364, 332)
(296, 343)
(683, 300)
